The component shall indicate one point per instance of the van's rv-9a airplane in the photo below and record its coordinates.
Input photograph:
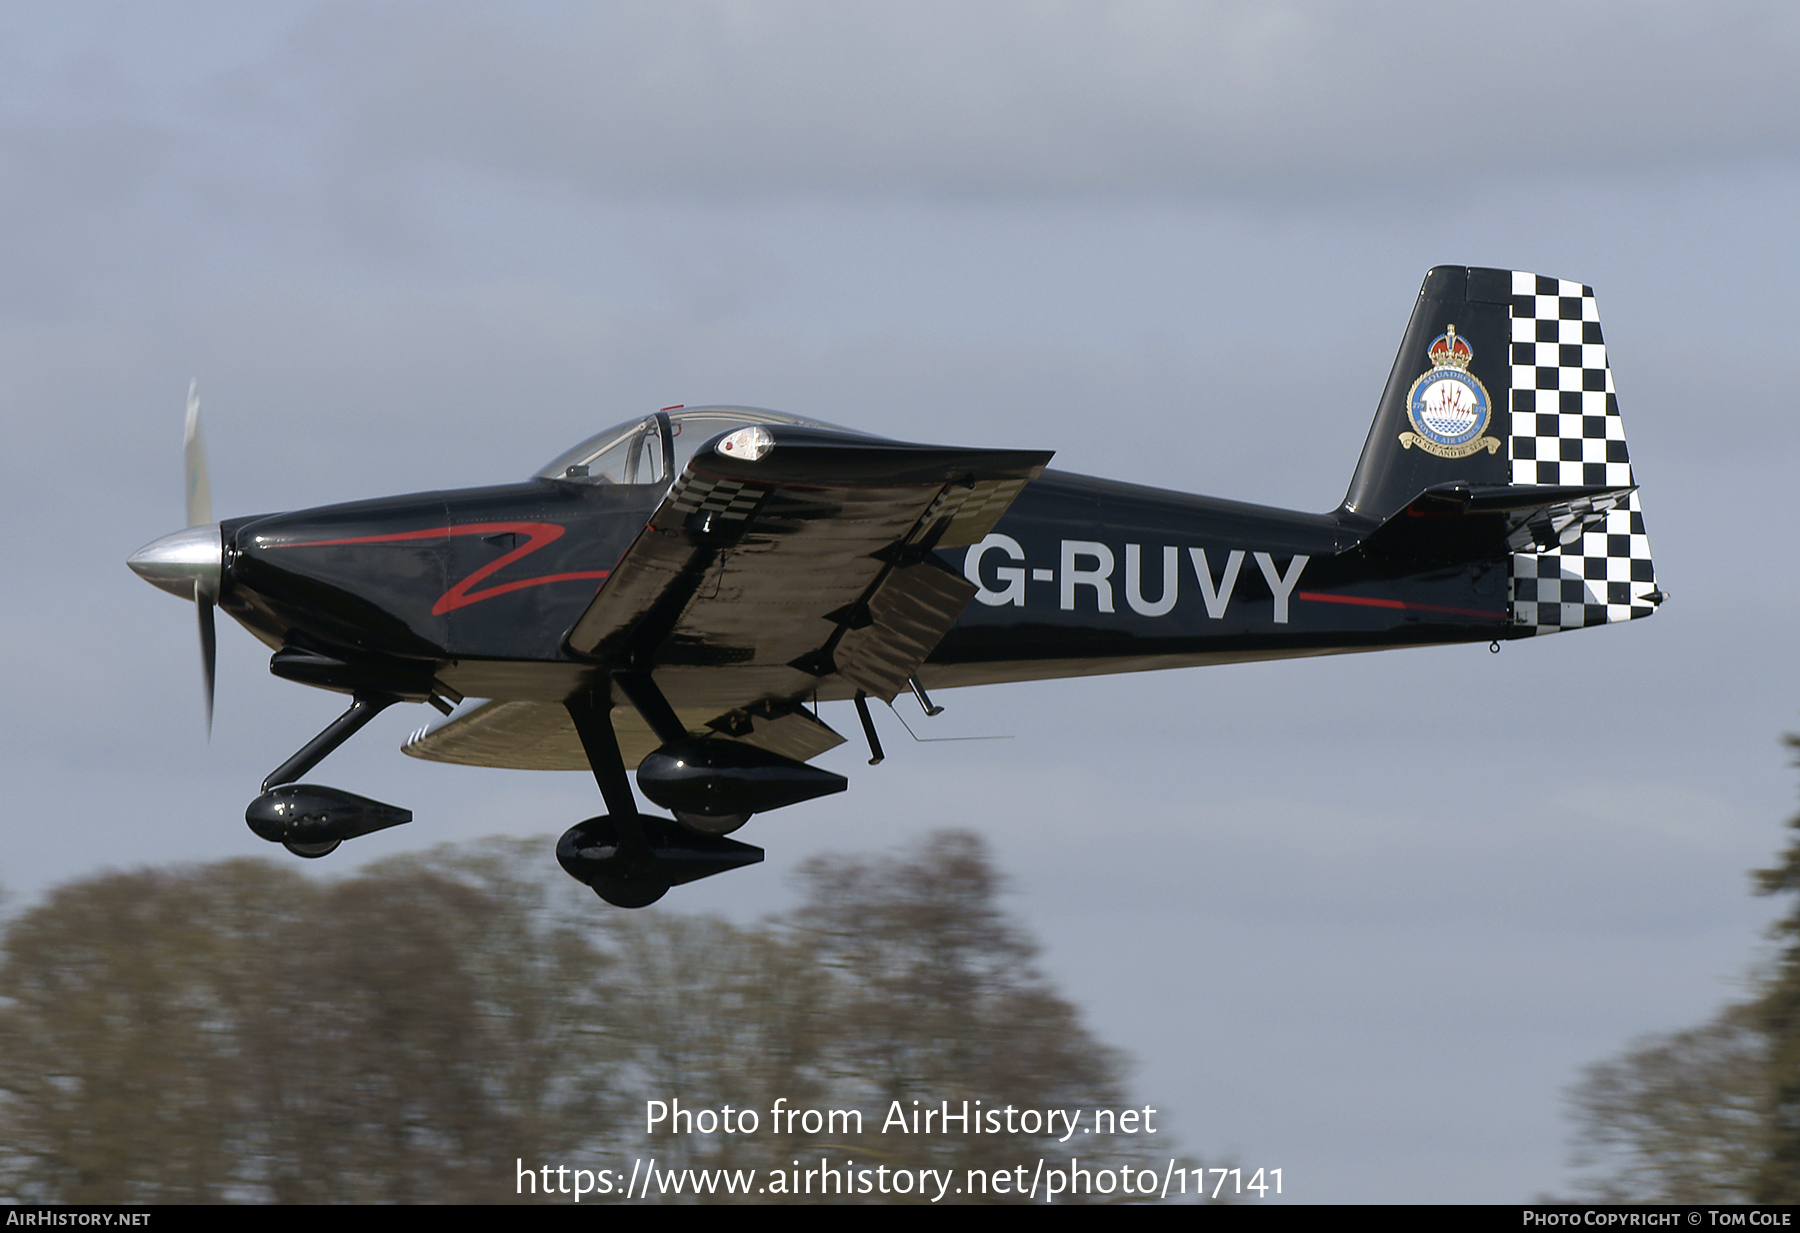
(673, 593)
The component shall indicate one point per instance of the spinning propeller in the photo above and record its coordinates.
(199, 513)
(189, 563)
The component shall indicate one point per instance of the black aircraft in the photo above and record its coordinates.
(678, 593)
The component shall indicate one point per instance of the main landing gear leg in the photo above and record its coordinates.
(630, 859)
(612, 853)
(311, 820)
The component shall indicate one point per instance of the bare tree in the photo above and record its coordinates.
(240, 1032)
(1778, 1015)
(117, 1037)
(1712, 1114)
(1678, 1118)
(937, 1001)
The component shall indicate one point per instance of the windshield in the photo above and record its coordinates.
(652, 449)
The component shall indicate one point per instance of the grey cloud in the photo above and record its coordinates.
(344, 127)
(1032, 98)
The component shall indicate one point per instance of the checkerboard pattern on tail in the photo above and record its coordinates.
(1566, 430)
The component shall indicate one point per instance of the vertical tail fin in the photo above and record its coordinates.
(1502, 379)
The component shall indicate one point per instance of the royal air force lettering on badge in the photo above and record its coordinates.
(1448, 405)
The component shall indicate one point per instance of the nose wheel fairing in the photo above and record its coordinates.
(310, 820)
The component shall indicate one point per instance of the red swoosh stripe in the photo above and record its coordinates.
(461, 595)
(1369, 601)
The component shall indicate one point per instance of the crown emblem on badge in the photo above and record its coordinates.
(1449, 351)
(1448, 405)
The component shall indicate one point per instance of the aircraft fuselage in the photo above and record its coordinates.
(476, 588)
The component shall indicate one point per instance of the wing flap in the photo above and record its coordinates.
(909, 614)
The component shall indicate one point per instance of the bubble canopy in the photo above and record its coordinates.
(656, 447)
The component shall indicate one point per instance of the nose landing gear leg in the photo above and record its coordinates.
(311, 820)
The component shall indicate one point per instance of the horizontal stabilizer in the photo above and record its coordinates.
(1453, 524)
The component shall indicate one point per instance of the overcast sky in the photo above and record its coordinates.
(1361, 919)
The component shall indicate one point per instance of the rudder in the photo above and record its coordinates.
(1566, 429)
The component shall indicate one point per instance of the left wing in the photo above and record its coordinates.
(788, 562)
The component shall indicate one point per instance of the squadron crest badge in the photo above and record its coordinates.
(1449, 406)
